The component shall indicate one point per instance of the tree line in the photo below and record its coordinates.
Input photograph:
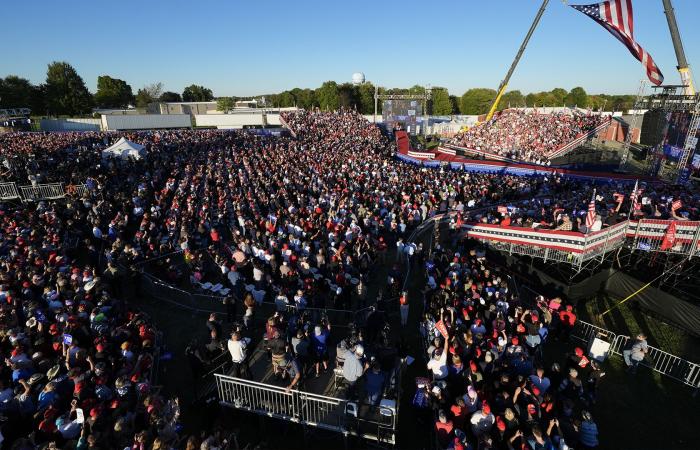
(332, 95)
(64, 93)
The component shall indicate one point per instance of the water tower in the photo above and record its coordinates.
(358, 78)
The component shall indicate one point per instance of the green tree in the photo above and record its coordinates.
(148, 94)
(66, 92)
(559, 95)
(365, 93)
(15, 92)
(169, 96)
(511, 99)
(477, 101)
(328, 95)
(442, 106)
(113, 93)
(305, 98)
(454, 101)
(225, 103)
(285, 99)
(577, 97)
(348, 95)
(416, 90)
(196, 93)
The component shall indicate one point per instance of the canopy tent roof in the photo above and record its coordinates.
(124, 149)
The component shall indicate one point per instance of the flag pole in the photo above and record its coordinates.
(633, 201)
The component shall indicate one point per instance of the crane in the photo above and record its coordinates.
(504, 83)
(683, 69)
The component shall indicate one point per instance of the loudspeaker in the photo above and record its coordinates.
(652, 127)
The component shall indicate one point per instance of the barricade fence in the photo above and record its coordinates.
(8, 191)
(649, 235)
(38, 192)
(50, 191)
(209, 303)
(678, 237)
(669, 365)
(334, 414)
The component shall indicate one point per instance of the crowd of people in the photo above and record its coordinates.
(296, 221)
(488, 385)
(524, 135)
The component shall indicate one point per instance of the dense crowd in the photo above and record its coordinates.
(488, 385)
(300, 222)
(524, 135)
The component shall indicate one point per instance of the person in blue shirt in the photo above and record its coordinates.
(540, 381)
(319, 342)
(374, 383)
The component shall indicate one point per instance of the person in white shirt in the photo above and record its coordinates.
(438, 365)
(237, 347)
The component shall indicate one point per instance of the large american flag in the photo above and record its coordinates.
(616, 17)
(590, 217)
(634, 197)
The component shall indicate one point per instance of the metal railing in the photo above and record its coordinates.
(648, 235)
(334, 414)
(8, 191)
(577, 248)
(49, 191)
(665, 363)
(37, 192)
(662, 362)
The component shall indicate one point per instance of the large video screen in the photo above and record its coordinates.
(404, 114)
(678, 123)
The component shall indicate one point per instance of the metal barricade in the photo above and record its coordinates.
(8, 191)
(663, 362)
(257, 397)
(321, 411)
(329, 413)
(649, 234)
(50, 191)
(584, 332)
(78, 190)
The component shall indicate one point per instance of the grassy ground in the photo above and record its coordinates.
(630, 320)
(645, 411)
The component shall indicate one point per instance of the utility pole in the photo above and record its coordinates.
(376, 98)
(504, 83)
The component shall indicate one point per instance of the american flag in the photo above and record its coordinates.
(634, 196)
(590, 217)
(677, 204)
(616, 17)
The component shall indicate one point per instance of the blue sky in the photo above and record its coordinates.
(253, 47)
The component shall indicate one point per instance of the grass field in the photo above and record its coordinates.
(630, 320)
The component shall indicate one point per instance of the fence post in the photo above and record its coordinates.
(694, 245)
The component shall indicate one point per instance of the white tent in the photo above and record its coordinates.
(124, 149)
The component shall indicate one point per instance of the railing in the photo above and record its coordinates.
(329, 413)
(669, 365)
(286, 125)
(576, 248)
(8, 191)
(50, 191)
(566, 148)
(663, 362)
(648, 235)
